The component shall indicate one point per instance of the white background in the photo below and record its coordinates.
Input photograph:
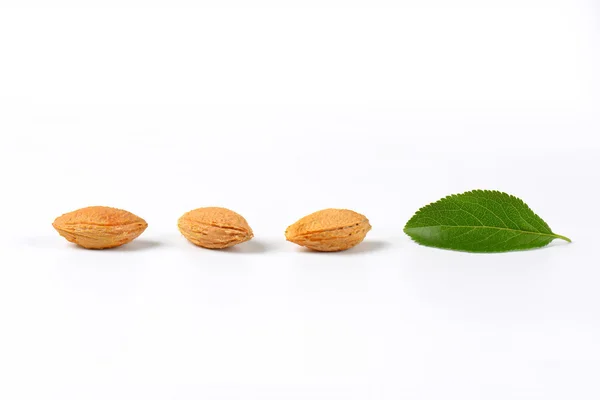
(277, 110)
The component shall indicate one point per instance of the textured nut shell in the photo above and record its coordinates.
(214, 227)
(329, 230)
(99, 227)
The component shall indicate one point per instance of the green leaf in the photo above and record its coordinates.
(482, 221)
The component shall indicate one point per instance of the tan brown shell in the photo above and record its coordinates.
(214, 227)
(331, 229)
(99, 227)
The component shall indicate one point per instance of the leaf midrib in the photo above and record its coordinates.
(552, 235)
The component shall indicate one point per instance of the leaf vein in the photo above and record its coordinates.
(487, 209)
(470, 213)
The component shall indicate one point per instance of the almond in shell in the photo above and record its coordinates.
(214, 227)
(331, 229)
(99, 227)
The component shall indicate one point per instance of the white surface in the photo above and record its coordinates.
(275, 113)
